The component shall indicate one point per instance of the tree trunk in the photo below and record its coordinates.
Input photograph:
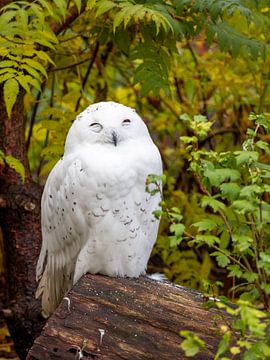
(20, 223)
(20, 218)
(119, 318)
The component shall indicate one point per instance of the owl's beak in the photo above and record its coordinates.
(114, 138)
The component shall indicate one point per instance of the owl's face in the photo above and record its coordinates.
(106, 123)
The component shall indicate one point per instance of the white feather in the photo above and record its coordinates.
(96, 215)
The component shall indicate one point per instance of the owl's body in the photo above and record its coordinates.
(96, 214)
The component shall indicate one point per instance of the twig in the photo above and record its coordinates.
(206, 192)
(95, 52)
(178, 91)
(47, 133)
(33, 117)
(244, 267)
(72, 65)
(196, 62)
(218, 132)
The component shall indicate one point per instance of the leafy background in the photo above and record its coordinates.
(166, 59)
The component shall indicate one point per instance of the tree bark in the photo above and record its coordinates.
(20, 224)
(20, 220)
(119, 318)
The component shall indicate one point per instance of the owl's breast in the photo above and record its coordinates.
(115, 172)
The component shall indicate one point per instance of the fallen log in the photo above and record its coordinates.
(115, 318)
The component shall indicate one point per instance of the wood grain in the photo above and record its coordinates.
(141, 319)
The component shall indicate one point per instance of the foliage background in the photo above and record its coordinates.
(112, 55)
(164, 58)
(161, 59)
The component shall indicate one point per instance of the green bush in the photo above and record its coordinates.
(235, 228)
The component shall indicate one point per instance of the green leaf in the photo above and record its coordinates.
(23, 19)
(23, 82)
(224, 345)
(16, 165)
(185, 117)
(206, 225)
(6, 76)
(177, 229)
(213, 203)
(35, 74)
(48, 167)
(8, 64)
(235, 270)
(242, 242)
(200, 119)
(45, 42)
(34, 64)
(230, 190)
(8, 70)
(104, 6)
(11, 90)
(250, 276)
(125, 14)
(52, 150)
(266, 287)
(192, 343)
(207, 239)
(263, 146)
(246, 157)
(221, 258)
(264, 262)
(47, 6)
(243, 206)
(224, 239)
(44, 56)
(61, 4)
(157, 214)
(123, 40)
(5, 18)
(175, 215)
(188, 139)
(33, 82)
(250, 191)
(174, 240)
(217, 176)
(78, 3)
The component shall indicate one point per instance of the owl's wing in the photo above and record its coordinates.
(64, 232)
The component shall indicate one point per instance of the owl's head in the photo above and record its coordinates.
(106, 123)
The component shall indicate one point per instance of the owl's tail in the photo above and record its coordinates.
(48, 301)
(52, 287)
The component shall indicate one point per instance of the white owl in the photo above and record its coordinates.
(96, 214)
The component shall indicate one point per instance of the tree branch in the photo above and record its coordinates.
(220, 131)
(95, 52)
(33, 117)
(71, 65)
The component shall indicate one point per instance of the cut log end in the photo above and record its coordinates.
(116, 318)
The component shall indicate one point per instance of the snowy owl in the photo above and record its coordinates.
(96, 215)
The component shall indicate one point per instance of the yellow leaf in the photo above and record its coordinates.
(16, 165)
(11, 90)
